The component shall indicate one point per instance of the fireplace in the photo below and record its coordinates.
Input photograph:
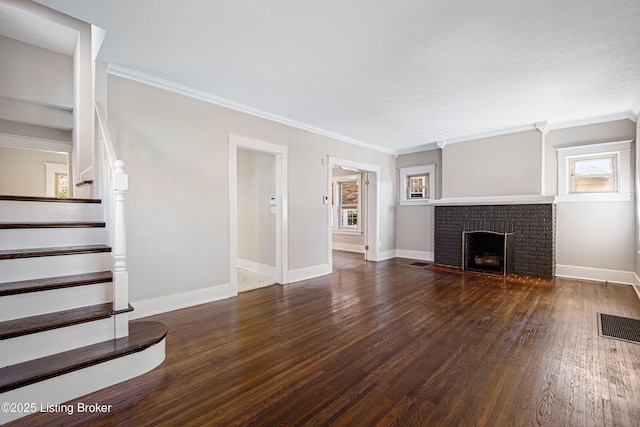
(531, 228)
(488, 252)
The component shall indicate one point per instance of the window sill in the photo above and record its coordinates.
(421, 202)
(593, 197)
(349, 232)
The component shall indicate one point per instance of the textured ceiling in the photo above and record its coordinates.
(28, 28)
(393, 74)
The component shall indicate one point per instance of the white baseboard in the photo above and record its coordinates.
(636, 283)
(596, 274)
(384, 255)
(256, 267)
(348, 247)
(308, 273)
(166, 303)
(420, 255)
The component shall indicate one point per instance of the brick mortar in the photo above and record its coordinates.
(534, 226)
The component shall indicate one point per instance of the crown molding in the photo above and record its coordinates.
(160, 83)
(624, 115)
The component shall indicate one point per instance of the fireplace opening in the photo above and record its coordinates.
(487, 252)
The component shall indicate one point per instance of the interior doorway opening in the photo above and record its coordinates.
(353, 208)
(34, 173)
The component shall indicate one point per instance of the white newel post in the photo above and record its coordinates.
(120, 274)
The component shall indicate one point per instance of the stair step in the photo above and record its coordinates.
(42, 252)
(47, 199)
(36, 285)
(142, 335)
(61, 224)
(59, 319)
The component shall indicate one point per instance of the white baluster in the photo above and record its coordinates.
(120, 274)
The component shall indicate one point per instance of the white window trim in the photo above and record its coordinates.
(622, 149)
(405, 173)
(336, 215)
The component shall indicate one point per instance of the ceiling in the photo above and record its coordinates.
(397, 75)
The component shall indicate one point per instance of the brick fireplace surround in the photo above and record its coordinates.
(534, 226)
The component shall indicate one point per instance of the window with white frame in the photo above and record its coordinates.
(417, 184)
(594, 172)
(346, 202)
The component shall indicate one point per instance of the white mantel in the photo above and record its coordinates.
(495, 200)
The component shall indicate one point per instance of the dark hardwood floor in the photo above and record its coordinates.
(387, 344)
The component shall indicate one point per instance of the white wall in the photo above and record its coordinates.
(35, 74)
(22, 172)
(414, 224)
(176, 150)
(256, 223)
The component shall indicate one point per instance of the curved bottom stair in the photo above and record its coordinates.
(68, 375)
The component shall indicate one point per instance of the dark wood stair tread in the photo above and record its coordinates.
(61, 224)
(59, 319)
(47, 199)
(41, 252)
(48, 283)
(142, 335)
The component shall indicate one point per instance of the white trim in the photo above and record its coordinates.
(50, 171)
(17, 141)
(348, 247)
(596, 274)
(495, 200)
(149, 307)
(256, 267)
(282, 207)
(79, 383)
(419, 255)
(170, 86)
(347, 232)
(405, 173)
(385, 255)
(309, 272)
(636, 284)
(593, 197)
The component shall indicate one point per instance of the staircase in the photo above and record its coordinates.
(60, 336)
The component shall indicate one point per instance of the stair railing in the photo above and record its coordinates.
(114, 185)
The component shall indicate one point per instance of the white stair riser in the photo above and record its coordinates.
(52, 266)
(25, 238)
(43, 302)
(41, 344)
(82, 382)
(20, 211)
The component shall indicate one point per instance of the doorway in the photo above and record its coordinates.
(35, 173)
(270, 259)
(361, 235)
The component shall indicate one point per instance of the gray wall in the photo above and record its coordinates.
(22, 172)
(414, 224)
(256, 223)
(176, 150)
(592, 234)
(504, 165)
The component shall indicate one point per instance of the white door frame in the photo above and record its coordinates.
(282, 230)
(372, 225)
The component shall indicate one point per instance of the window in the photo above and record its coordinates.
(346, 203)
(593, 174)
(596, 172)
(417, 184)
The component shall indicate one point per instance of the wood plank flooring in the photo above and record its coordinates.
(387, 344)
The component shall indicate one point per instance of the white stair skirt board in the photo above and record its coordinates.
(149, 307)
(53, 266)
(50, 301)
(249, 280)
(256, 267)
(46, 343)
(309, 272)
(50, 237)
(419, 255)
(79, 383)
(22, 211)
(359, 249)
(595, 274)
